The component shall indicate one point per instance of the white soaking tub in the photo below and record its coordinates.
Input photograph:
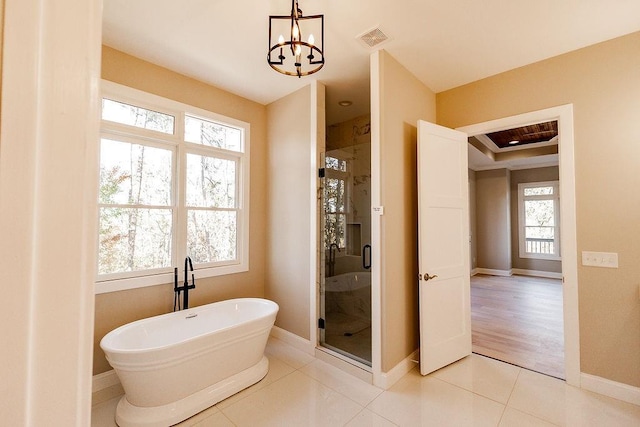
(349, 293)
(175, 365)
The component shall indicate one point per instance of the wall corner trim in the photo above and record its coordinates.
(616, 390)
(294, 340)
(387, 379)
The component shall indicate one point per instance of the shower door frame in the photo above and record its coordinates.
(323, 175)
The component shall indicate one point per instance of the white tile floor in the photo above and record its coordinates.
(300, 390)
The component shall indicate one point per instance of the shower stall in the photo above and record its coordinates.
(345, 241)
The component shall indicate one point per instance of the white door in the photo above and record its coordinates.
(443, 246)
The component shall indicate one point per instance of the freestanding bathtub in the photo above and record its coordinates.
(175, 365)
(349, 293)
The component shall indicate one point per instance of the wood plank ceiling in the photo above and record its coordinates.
(531, 134)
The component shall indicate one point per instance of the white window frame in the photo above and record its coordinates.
(521, 218)
(344, 176)
(180, 148)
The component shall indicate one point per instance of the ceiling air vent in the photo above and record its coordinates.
(373, 38)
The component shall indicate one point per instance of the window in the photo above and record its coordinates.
(539, 220)
(335, 207)
(174, 182)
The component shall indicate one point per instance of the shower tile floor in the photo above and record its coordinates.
(351, 334)
(300, 390)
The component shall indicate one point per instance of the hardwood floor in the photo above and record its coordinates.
(518, 320)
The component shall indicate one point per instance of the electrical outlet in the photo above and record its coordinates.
(600, 259)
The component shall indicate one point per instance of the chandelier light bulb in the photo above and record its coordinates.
(281, 39)
(312, 40)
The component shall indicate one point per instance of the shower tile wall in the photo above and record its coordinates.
(352, 139)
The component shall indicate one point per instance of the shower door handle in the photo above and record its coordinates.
(366, 264)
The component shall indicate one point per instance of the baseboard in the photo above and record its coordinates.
(293, 340)
(537, 273)
(474, 272)
(492, 272)
(104, 380)
(105, 387)
(387, 379)
(620, 391)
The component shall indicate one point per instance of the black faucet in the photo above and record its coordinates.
(186, 285)
(332, 258)
(188, 266)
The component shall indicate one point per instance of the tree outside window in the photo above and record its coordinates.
(166, 194)
(539, 219)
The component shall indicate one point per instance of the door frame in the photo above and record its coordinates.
(569, 249)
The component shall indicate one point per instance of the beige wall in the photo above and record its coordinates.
(601, 81)
(524, 176)
(289, 211)
(403, 101)
(493, 224)
(117, 308)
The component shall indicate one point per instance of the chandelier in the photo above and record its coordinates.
(295, 56)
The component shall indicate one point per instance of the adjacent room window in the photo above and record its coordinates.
(174, 182)
(539, 220)
(335, 208)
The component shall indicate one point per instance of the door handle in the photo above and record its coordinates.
(366, 261)
(427, 277)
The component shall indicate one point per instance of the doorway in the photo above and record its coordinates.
(564, 117)
(516, 292)
(345, 274)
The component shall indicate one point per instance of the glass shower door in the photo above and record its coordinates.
(345, 290)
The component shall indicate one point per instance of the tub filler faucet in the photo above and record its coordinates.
(332, 258)
(188, 266)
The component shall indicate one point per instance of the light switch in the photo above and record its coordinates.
(600, 259)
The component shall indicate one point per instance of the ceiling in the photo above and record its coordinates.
(534, 145)
(445, 44)
(531, 134)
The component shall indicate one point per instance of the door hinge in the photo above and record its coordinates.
(321, 323)
(321, 173)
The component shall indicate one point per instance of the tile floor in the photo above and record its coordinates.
(300, 390)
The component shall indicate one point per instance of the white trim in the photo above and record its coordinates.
(317, 145)
(388, 379)
(493, 272)
(616, 390)
(104, 380)
(536, 273)
(293, 340)
(376, 220)
(474, 272)
(503, 165)
(344, 363)
(569, 250)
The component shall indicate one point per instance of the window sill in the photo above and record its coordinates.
(106, 286)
